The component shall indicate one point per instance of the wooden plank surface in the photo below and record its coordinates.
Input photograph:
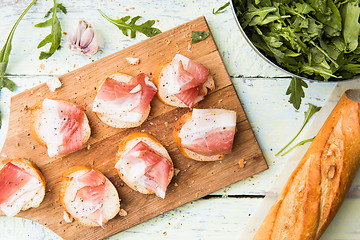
(195, 180)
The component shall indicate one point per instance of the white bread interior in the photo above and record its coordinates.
(69, 188)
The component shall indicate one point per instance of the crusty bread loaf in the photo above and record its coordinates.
(116, 123)
(172, 100)
(34, 171)
(317, 187)
(35, 121)
(128, 143)
(68, 190)
(186, 152)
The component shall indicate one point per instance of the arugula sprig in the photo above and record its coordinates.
(221, 9)
(5, 53)
(298, 144)
(198, 36)
(308, 114)
(296, 91)
(145, 28)
(55, 36)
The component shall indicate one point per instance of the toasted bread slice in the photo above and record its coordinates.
(69, 189)
(34, 171)
(128, 143)
(35, 123)
(169, 99)
(113, 121)
(186, 152)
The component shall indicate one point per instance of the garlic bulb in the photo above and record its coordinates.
(84, 39)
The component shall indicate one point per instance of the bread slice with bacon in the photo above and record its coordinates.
(123, 101)
(182, 82)
(22, 186)
(144, 164)
(59, 125)
(205, 134)
(88, 196)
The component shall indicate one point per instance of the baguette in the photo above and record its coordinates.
(35, 191)
(161, 80)
(124, 120)
(110, 206)
(37, 119)
(125, 169)
(318, 186)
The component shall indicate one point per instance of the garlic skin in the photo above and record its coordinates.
(84, 39)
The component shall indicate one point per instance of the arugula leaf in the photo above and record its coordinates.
(198, 36)
(297, 145)
(5, 53)
(54, 38)
(308, 114)
(145, 28)
(221, 9)
(296, 91)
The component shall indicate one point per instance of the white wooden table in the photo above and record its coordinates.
(260, 86)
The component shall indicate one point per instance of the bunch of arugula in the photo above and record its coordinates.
(316, 39)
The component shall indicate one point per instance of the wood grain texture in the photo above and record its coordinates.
(195, 180)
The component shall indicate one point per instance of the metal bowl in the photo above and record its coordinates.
(264, 57)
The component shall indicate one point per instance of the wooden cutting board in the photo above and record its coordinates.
(195, 180)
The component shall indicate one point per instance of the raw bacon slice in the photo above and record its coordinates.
(12, 179)
(209, 132)
(116, 98)
(186, 79)
(17, 188)
(61, 126)
(90, 196)
(146, 167)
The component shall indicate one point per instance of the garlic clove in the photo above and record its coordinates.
(84, 39)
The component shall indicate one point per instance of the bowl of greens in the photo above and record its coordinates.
(311, 39)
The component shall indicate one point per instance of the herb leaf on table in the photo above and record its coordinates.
(54, 38)
(5, 53)
(308, 114)
(296, 91)
(221, 9)
(145, 28)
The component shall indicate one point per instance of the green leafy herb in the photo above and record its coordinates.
(145, 28)
(296, 91)
(197, 36)
(298, 144)
(5, 53)
(221, 9)
(55, 36)
(308, 114)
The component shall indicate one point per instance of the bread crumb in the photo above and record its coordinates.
(242, 163)
(68, 218)
(175, 184)
(176, 171)
(132, 61)
(196, 195)
(165, 233)
(42, 66)
(122, 213)
(33, 147)
(88, 147)
(53, 84)
(167, 41)
(189, 46)
(17, 144)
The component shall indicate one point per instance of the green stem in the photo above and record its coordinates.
(291, 140)
(299, 144)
